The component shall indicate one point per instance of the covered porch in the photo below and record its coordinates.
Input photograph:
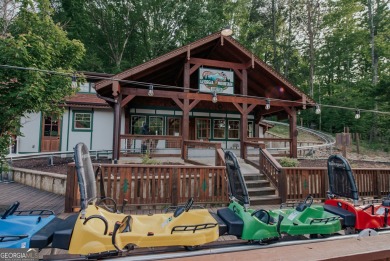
(209, 93)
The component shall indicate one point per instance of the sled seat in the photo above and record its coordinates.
(348, 218)
(221, 225)
(61, 237)
(234, 223)
(44, 236)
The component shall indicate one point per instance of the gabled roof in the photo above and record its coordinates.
(263, 80)
(86, 100)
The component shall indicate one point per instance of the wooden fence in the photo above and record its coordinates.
(154, 184)
(300, 182)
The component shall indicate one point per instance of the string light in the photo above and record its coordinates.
(162, 86)
(215, 98)
(267, 104)
(318, 109)
(74, 81)
(357, 114)
(150, 92)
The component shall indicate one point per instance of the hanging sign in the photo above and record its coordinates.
(211, 80)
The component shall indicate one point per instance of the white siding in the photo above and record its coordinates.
(29, 141)
(103, 128)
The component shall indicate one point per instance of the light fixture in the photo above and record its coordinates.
(318, 109)
(357, 114)
(74, 81)
(215, 99)
(227, 31)
(299, 112)
(150, 92)
(267, 104)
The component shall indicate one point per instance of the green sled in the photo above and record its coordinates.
(262, 225)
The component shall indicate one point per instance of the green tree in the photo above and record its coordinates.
(33, 40)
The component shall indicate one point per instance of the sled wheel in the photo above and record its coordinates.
(192, 248)
(312, 236)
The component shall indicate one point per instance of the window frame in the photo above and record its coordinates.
(76, 129)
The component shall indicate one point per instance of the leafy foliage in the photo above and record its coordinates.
(34, 41)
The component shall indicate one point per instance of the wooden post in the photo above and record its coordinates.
(344, 145)
(71, 185)
(282, 185)
(244, 116)
(293, 134)
(357, 143)
(185, 125)
(117, 128)
(175, 190)
(243, 134)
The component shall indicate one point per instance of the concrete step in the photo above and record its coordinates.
(265, 200)
(257, 183)
(261, 191)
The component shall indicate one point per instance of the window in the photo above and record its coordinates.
(156, 125)
(84, 87)
(82, 121)
(137, 122)
(219, 129)
(174, 125)
(250, 129)
(233, 129)
(202, 129)
(50, 128)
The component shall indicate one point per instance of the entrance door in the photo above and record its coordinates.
(51, 127)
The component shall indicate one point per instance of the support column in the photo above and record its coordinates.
(293, 133)
(244, 114)
(185, 125)
(243, 133)
(117, 128)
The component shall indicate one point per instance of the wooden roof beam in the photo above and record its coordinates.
(207, 97)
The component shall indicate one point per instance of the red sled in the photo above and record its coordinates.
(343, 199)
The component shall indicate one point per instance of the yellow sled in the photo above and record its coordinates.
(98, 230)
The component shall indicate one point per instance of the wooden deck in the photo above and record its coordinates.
(30, 198)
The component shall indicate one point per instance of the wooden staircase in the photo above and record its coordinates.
(260, 190)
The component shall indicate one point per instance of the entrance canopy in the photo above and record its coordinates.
(252, 76)
(215, 74)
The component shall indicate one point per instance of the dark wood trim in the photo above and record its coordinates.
(238, 107)
(178, 102)
(186, 78)
(194, 68)
(293, 133)
(207, 97)
(126, 100)
(117, 128)
(217, 63)
(238, 73)
(193, 104)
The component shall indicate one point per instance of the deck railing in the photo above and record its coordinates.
(155, 145)
(155, 184)
(301, 182)
(277, 146)
(204, 146)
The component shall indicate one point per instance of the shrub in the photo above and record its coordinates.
(149, 161)
(288, 162)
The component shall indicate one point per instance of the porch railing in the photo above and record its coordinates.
(155, 145)
(219, 157)
(154, 184)
(276, 146)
